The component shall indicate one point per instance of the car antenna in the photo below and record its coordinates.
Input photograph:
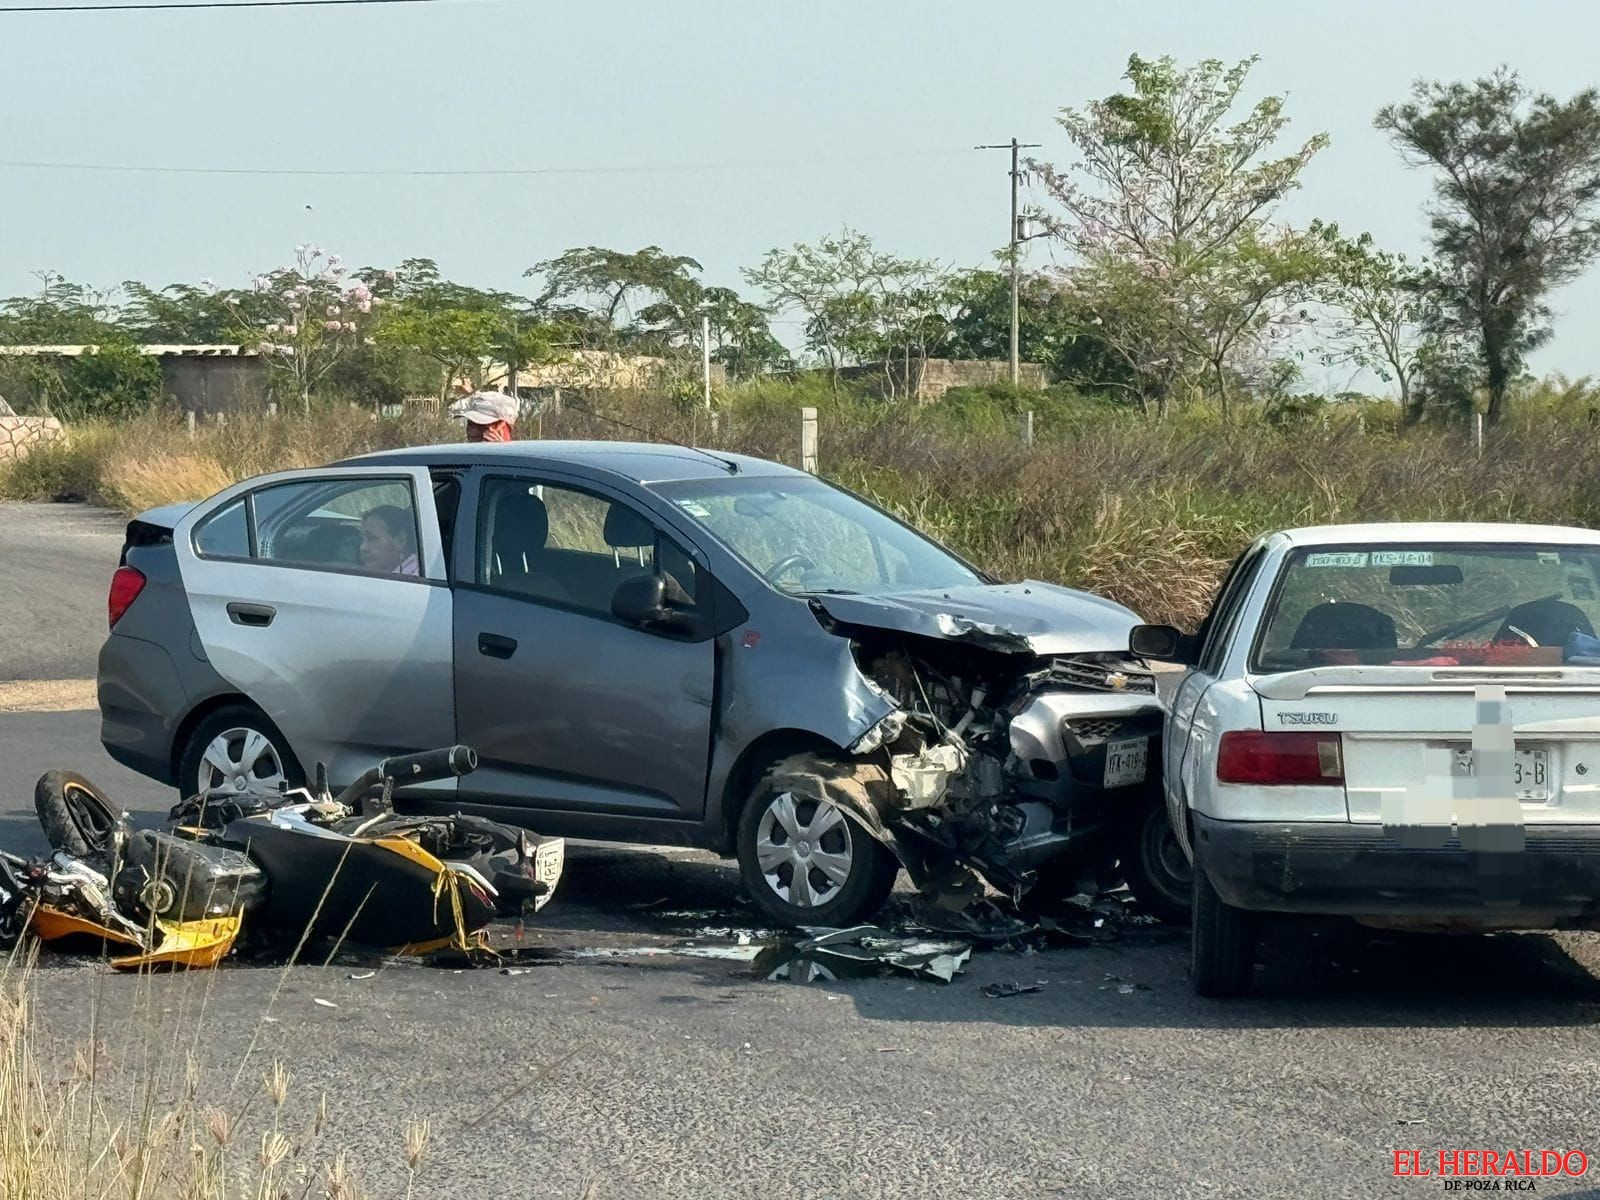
(731, 464)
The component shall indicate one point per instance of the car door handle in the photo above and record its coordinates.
(496, 646)
(258, 615)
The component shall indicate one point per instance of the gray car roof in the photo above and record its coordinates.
(641, 462)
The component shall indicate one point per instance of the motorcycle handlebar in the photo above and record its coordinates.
(425, 767)
(430, 765)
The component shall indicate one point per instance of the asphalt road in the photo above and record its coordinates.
(56, 562)
(665, 1076)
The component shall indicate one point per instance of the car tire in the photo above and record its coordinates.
(232, 735)
(1222, 942)
(1154, 866)
(77, 817)
(849, 873)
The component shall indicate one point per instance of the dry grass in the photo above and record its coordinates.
(138, 1119)
(1150, 515)
(134, 482)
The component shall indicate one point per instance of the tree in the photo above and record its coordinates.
(741, 335)
(1168, 213)
(458, 339)
(305, 318)
(187, 313)
(1378, 302)
(858, 303)
(61, 313)
(1514, 207)
(593, 279)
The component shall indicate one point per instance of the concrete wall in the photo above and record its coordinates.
(930, 378)
(18, 435)
(206, 384)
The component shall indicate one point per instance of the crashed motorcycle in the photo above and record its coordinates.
(274, 869)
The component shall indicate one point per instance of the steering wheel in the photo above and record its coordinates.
(789, 562)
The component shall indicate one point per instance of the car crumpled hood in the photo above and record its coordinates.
(1019, 618)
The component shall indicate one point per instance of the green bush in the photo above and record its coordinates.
(114, 380)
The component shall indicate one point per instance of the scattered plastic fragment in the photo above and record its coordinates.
(1000, 991)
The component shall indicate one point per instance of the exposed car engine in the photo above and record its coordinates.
(998, 759)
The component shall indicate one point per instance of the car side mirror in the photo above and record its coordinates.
(642, 601)
(1162, 643)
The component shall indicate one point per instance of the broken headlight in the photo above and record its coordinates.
(881, 734)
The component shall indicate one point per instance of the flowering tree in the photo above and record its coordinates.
(1168, 212)
(303, 319)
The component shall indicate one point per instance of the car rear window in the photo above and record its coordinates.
(1433, 605)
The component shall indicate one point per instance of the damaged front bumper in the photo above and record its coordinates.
(998, 765)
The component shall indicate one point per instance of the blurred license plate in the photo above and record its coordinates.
(548, 858)
(1127, 761)
(1530, 773)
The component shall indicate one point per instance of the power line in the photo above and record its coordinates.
(153, 5)
(452, 173)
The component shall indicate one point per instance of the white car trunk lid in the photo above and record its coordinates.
(1407, 733)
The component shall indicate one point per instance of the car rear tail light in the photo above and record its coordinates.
(126, 585)
(1247, 756)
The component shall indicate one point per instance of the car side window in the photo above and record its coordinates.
(1224, 618)
(359, 525)
(569, 547)
(225, 533)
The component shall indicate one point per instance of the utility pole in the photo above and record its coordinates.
(513, 352)
(1015, 238)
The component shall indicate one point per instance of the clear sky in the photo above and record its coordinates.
(800, 116)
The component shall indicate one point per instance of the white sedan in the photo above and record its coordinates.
(1398, 723)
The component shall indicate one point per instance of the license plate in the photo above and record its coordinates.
(1127, 761)
(1530, 773)
(548, 859)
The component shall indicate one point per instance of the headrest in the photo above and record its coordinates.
(1548, 622)
(1337, 625)
(626, 529)
(521, 516)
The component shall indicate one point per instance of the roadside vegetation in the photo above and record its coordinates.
(1147, 513)
(133, 1111)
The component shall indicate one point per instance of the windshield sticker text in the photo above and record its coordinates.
(1402, 558)
(1337, 559)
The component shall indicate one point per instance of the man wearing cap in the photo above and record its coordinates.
(489, 415)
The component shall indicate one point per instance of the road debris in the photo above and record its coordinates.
(1002, 991)
(321, 1003)
(1123, 986)
(864, 949)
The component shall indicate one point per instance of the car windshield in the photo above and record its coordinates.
(805, 536)
(1433, 605)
